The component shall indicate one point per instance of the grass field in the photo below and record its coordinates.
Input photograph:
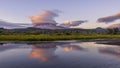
(54, 37)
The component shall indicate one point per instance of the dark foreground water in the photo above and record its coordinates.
(67, 54)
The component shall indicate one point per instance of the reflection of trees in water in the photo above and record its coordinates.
(114, 51)
(109, 42)
(1, 44)
(43, 52)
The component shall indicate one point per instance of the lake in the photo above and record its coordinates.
(59, 54)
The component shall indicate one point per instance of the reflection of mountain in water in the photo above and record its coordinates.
(114, 51)
(9, 46)
(43, 52)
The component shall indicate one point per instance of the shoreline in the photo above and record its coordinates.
(98, 41)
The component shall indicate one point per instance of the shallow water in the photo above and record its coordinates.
(59, 54)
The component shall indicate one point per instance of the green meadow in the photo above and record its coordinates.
(31, 34)
(54, 37)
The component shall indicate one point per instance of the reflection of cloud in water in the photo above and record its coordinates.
(114, 51)
(46, 51)
(43, 52)
(72, 47)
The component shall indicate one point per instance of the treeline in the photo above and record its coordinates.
(33, 31)
(113, 31)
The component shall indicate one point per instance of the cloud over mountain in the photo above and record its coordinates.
(111, 18)
(45, 16)
(46, 19)
(72, 23)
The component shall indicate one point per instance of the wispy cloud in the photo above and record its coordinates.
(72, 23)
(9, 25)
(111, 18)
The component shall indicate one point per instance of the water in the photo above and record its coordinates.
(59, 54)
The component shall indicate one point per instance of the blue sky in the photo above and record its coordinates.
(17, 11)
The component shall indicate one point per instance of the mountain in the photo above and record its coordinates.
(99, 29)
(47, 26)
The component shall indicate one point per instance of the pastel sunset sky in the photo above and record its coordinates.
(94, 11)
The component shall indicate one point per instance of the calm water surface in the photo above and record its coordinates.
(67, 54)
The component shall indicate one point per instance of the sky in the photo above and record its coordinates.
(18, 11)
